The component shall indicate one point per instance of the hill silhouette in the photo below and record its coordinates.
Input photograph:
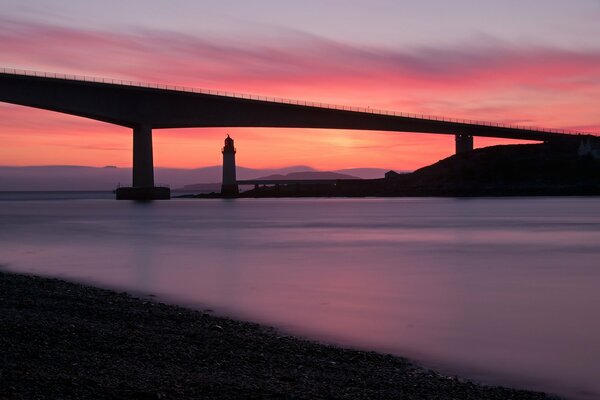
(506, 170)
(74, 177)
(536, 169)
(301, 175)
(308, 175)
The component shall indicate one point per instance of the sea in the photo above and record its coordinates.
(504, 291)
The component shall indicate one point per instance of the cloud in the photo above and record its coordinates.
(187, 59)
(484, 80)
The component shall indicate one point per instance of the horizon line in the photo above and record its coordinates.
(188, 169)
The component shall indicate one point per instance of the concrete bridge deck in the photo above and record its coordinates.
(144, 107)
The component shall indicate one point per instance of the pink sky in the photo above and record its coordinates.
(551, 83)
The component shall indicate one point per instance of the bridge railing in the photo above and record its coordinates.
(368, 110)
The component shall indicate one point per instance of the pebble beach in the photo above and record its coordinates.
(63, 340)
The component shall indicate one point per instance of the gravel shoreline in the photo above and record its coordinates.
(61, 340)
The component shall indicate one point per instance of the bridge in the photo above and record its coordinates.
(143, 107)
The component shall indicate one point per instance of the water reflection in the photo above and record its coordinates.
(503, 290)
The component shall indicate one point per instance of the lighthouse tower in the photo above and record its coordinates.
(229, 185)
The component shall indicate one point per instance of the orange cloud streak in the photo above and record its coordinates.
(493, 81)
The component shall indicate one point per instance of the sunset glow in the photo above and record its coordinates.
(535, 81)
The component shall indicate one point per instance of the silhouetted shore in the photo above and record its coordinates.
(507, 170)
(65, 340)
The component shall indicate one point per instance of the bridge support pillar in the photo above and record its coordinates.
(143, 169)
(464, 143)
(143, 163)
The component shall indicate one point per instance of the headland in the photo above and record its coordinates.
(545, 169)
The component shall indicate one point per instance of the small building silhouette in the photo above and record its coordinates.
(391, 174)
(229, 185)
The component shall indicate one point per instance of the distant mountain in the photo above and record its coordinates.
(216, 187)
(545, 169)
(73, 177)
(62, 177)
(366, 173)
(308, 175)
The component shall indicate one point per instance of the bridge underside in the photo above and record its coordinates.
(143, 109)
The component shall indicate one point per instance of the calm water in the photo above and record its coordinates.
(500, 290)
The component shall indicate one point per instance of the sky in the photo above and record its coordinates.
(531, 62)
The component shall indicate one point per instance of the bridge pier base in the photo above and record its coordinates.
(143, 162)
(464, 143)
(143, 170)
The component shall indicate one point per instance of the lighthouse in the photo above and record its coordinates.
(229, 185)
